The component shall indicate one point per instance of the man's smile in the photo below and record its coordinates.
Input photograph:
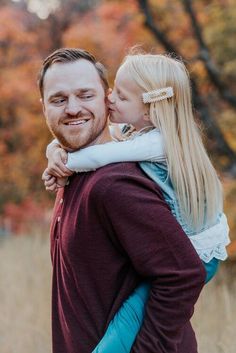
(76, 122)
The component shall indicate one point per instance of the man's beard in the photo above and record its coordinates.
(76, 143)
(64, 143)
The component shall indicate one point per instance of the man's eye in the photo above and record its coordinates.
(121, 98)
(87, 96)
(58, 101)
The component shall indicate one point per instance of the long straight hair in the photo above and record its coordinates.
(193, 176)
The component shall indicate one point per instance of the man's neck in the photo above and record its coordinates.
(104, 137)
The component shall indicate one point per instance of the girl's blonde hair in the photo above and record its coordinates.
(193, 176)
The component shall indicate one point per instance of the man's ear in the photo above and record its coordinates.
(108, 92)
(146, 116)
(43, 106)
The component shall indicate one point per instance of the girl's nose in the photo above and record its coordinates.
(111, 97)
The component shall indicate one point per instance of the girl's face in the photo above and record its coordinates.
(125, 102)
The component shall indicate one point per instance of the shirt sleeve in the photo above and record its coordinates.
(145, 147)
(159, 251)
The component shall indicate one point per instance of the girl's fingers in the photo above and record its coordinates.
(59, 170)
(45, 175)
(61, 182)
(55, 171)
(52, 188)
(50, 182)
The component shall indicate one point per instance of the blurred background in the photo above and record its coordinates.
(203, 33)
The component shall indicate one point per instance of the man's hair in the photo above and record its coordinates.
(67, 55)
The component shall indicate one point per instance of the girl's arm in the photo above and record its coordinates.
(56, 174)
(57, 158)
(145, 147)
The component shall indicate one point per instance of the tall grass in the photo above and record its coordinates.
(215, 315)
(25, 272)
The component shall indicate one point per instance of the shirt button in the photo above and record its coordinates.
(61, 201)
(58, 219)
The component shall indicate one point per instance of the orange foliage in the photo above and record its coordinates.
(23, 131)
(109, 31)
(26, 218)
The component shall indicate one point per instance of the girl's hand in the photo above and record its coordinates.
(57, 158)
(50, 182)
(61, 182)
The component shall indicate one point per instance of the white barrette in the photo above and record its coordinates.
(158, 95)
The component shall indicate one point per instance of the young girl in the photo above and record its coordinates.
(152, 92)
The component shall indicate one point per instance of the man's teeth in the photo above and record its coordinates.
(79, 122)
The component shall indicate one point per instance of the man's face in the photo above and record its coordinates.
(74, 104)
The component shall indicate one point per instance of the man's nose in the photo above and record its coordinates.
(73, 106)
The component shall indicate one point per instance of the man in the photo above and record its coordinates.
(111, 228)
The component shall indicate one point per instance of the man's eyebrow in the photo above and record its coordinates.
(85, 90)
(56, 94)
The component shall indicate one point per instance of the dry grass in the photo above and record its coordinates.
(25, 272)
(215, 315)
(25, 295)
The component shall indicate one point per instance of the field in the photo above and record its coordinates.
(25, 272)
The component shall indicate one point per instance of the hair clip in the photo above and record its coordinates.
(157, 95)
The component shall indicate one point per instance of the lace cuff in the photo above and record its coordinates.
(212, 241)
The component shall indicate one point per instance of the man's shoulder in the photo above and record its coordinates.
(122, 167)
(125, 175)
(112, 172)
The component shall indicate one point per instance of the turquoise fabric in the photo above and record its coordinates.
(124, 327)
(211, 268)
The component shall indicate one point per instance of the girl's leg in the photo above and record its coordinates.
(125, 325)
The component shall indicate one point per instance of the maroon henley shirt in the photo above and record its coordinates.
(111, 229)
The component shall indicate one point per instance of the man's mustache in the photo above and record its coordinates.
(79, 116)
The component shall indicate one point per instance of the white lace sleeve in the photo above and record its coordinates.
(145, 147)
(212, 242)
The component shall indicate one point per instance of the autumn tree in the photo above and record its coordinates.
(23, 135)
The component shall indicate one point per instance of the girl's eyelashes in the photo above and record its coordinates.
(122, 98)
(117, 93)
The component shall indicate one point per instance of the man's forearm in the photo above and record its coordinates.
(168, 311)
